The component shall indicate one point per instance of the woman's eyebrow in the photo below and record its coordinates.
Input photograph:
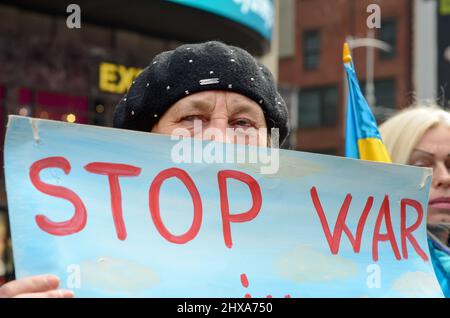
(428, 153)
(242, 108)
(192, 106)
(425, 152)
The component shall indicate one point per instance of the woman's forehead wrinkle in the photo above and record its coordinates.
(204, 105)
(238, 104)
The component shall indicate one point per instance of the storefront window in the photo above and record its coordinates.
(54, 106)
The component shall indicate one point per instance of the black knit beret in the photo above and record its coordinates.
(193, 68)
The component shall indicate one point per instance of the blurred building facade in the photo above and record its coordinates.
(311, 74)
(443, 52)
(432, 50)
(78, 75)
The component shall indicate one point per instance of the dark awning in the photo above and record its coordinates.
(157, 18)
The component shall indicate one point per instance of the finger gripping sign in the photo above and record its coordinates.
(110, 213)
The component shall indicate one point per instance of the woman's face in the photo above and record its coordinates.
(216, 112)
(433, 151)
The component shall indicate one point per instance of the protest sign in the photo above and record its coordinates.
(113, 214)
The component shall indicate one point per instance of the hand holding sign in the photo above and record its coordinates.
(43, 286)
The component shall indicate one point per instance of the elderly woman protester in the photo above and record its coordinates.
(420, 136)
(221, 87)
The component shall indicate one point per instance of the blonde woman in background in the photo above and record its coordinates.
(420, 136)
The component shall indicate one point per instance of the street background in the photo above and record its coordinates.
(50, 70)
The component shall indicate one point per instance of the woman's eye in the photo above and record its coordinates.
(242, 123)
(423, 164)
(192, 118)
(447, 164)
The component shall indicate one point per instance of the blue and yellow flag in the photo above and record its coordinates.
(362, 138)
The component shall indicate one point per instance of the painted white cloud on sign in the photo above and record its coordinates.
(304, 264)
(116, 276)
(417, 284)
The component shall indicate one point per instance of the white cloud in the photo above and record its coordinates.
(304, 264)
(116, 276)
(417, 284)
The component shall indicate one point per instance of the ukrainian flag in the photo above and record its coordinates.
(362, 138)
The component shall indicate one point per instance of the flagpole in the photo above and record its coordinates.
(370, 64)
